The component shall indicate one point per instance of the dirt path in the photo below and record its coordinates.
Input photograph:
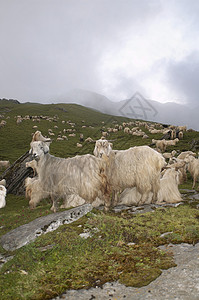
(179, 283)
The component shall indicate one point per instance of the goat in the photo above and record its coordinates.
(81, 175)
(3, 192)
(137, 166)
(167, 193)
(193, 167)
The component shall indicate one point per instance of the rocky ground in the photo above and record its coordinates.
(179, 283)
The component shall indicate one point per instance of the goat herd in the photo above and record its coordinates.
(138, 175)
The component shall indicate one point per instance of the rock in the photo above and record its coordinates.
(187, 191)
(196, 197)
(16, 174)
(180, 282)
(4, 259)
(27, 233)
(85, 235)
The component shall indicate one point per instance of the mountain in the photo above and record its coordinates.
(136, 107)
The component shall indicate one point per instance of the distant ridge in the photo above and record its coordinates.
(10, 101)
(136, 107)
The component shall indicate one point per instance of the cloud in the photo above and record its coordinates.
(183, 78)
(114, 47)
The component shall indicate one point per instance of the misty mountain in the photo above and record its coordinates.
(137, 107)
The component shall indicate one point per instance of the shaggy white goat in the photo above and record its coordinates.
(102, 147)
(193, 167)
(182, 155)
(81, 175)
(136, 167)
(169, 155)
(160, 144)
(167, 193)
(3, 192)
(181, 166)
(172, 142)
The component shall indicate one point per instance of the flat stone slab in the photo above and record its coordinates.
(27, 233)
(187, 191)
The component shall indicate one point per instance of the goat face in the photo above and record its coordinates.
(38, 149)
(102, 147)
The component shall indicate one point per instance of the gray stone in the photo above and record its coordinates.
(27, 233)
(4, 259)
(196, 197)
(187, 191)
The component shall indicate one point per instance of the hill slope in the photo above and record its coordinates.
(170, 112)
(65, 119)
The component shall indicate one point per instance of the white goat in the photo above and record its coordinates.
(138, 167)
(172, 142)
(168, 155)
(181, 166)
(167, 193)
(160, 144)
(193, 167)
(3, 192)
(182, 155)
(81, 175)
(102, 147)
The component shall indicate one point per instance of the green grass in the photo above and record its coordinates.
(73, 262)
(62, 260)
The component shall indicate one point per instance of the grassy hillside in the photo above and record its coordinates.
(123, 246)
(15, 139)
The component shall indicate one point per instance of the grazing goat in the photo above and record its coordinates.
(160, 144)
(193, 167)
(138, 167)
(2, 193)
(81, 175)
(172, 142)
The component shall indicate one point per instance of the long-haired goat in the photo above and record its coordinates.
(138, 167)
(193, 167)
(81, 175)
(167, 193)
(3, 192)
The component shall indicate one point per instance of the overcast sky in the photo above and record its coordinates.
(111, 47)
